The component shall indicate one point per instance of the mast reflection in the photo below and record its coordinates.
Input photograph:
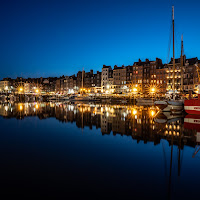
(145, 124)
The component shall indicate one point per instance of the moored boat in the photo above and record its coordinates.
(192, 106)
(169, 106)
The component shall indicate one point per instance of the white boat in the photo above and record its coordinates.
(170, 105)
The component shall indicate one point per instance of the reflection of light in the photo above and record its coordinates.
(152, 113)
(6, 108)
(52, 104)
(174, 127)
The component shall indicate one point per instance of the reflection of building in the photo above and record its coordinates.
(119, 120)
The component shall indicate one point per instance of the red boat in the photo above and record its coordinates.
(192, 106)
(192, 122)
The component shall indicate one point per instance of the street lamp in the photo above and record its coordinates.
(20, 89)
(134, 111)
(135, 91)
(20, 92)
(152, 90)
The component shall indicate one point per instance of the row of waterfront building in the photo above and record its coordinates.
(142, 74)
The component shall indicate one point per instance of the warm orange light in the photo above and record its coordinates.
(20, 89)
(20, 107)
(134, 111)
(36, 106)
(153, 89)
(36, 90)
(134, 89)
(152, 113)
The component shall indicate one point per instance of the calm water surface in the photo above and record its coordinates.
(98, 151)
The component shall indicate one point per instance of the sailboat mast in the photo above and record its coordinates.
(182, 63)
(82, 79)
(173, 81)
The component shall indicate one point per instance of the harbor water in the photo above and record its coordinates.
(97, 151)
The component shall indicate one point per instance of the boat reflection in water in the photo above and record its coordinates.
(144, 125)
(141, 123)
(192, 124)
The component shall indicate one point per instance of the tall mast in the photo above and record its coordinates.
(182, 63)
(173, 81)
(82, 80)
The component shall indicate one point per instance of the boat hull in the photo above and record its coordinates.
(192, 106)
(161, 104)
(169, 106)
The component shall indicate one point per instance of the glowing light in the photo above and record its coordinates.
(152, 113)
(135, 90)
(20, 107)
(134, 111)
(6, 88)
(36, 106)
(153, 89)
(6, 108)
(36, 90)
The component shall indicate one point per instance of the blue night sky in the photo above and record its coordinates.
(54, 38)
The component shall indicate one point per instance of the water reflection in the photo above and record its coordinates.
(141, 123)
(139, 165)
